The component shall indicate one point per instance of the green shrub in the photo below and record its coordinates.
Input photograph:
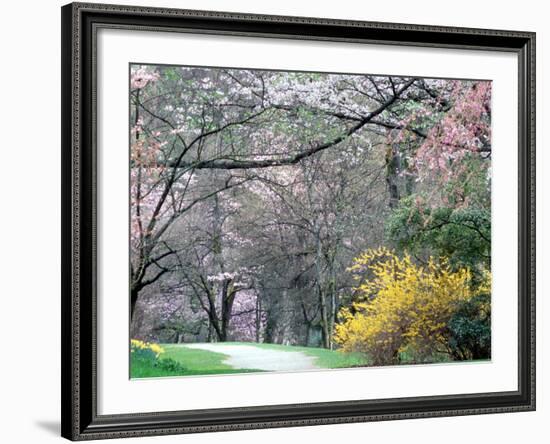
(470, 329)
(170, 365)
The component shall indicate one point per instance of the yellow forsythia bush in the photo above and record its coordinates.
(400, 305)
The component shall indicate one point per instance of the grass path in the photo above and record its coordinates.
(324, 358)
(245, 356)
(201, 362)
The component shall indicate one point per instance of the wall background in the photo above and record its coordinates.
(30, 220)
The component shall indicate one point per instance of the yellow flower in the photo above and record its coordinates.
(141, 345)
(402, 304)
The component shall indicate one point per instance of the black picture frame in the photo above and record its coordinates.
(80, 420)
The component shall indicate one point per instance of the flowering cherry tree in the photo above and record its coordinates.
(208, 125)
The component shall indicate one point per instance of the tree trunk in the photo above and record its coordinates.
(321, 294)
(332, 316)
(270, 325)
(215, 325)
(228, 297)
(258, 318)
(392, 171)
(324, 322)
(134, 292)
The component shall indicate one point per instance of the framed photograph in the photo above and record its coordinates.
(278, 221)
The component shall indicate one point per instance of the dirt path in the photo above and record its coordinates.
(252, 357)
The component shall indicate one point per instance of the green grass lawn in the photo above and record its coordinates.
(200, 362)
(325, 358)
(147, 369)
(178, 360)
(191, 362)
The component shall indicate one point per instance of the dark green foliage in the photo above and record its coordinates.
(463, 235)
(143, 355)
(170, 365)
(470, 329)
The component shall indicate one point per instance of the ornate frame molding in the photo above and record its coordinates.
(80, 22)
